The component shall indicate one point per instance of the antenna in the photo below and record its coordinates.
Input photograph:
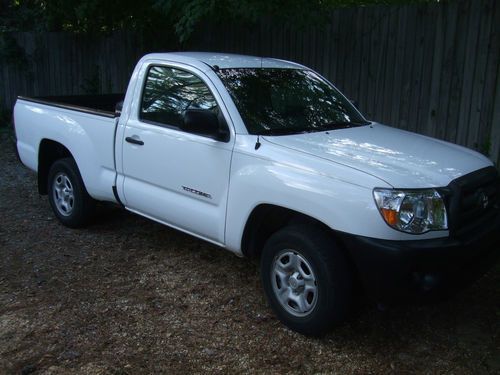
(257, 144)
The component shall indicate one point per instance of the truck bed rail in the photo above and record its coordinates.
(101, 105)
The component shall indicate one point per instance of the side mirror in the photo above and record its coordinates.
(118, 109)
(205, 122)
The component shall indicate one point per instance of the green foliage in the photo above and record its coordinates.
(18, 15)
(298, 13)
(162, 16)
(80, 16)
(485, 148)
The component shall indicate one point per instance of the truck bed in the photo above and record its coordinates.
(84, 124)
(102, 105)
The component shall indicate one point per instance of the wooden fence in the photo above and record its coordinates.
(66, 64)
(432, 69)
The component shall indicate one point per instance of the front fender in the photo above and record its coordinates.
(334, 194)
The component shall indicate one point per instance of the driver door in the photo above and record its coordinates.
(175, 177)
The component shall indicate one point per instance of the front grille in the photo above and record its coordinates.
(473, 201)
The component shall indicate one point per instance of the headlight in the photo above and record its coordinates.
(412, 211)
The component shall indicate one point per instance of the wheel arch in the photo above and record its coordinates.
(266, 219)
(48, 152)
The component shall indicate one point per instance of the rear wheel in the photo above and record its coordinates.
(68, 197)
(307, 279)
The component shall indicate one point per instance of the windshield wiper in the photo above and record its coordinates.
(343, 125)
(328, 126)
(285, 131)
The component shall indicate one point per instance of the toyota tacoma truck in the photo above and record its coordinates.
(266, 158)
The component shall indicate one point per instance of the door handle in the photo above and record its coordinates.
(135, 141)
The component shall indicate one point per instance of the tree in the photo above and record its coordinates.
(180, 16)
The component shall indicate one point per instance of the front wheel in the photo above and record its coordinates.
(68, 197)
(306, 279)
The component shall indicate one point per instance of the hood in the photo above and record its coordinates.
(400, 158)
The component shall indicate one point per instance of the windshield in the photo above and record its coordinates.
(288, 101)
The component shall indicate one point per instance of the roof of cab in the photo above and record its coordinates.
(224, 60)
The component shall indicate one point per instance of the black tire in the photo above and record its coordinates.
(80, 205)
(331, 301)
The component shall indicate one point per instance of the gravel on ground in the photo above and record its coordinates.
(129, 296)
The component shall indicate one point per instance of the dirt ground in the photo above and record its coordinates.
(129, 296)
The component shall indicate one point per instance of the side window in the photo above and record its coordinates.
(169, 92)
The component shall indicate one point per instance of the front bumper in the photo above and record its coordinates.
(423, 269)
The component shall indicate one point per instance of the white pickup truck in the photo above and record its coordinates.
(266, 158)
